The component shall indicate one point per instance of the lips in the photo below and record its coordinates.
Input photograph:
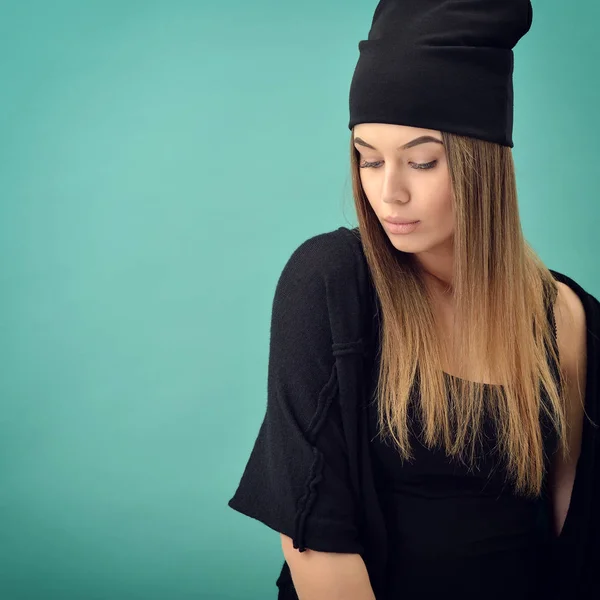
(396, 221)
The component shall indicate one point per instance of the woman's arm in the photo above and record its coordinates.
(327, 575)
(571, 333)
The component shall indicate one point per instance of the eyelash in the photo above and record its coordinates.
(423, 166)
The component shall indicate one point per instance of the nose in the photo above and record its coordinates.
(393, 188)
(393, 194)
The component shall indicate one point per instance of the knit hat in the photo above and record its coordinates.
(441, 64)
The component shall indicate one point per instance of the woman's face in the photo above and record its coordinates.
(408, 180)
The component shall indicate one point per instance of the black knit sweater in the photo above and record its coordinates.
(310, 474)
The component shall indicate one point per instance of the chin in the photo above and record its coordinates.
(404, 244)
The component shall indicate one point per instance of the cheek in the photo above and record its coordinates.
(446, 217)
(371, 195)
(442, 198)
(441, 194)
(446, 206)
(439, 207)
(367, 184)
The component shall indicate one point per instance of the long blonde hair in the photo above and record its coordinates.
(501, 293)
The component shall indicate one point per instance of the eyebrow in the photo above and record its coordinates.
(420, 140)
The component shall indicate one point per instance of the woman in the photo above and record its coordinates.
(426, 380)
(457, 524)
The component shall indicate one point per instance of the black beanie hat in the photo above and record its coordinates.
(441, 64)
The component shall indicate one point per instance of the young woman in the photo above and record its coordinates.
(428, 374)
(458, 525)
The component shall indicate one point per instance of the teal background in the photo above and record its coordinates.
(159, 162)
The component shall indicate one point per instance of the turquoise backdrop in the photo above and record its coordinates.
(159, 162)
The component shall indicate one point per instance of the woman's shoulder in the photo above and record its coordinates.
(571, 321)
(335, 257)
(326, 277)
(575, 309)
(575, 312)
(570, 288)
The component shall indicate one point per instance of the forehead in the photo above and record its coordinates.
(400, 138)
(391, 130)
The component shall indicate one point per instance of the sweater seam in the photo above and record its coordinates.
(306, 501)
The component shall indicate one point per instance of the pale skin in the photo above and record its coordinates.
(413, 183)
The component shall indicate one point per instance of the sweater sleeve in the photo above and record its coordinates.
(296, 478)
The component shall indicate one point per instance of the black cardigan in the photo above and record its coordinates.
(309, 474)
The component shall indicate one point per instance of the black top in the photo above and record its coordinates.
(311, 473)
(455, 531)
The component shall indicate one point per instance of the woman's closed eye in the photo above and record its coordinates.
(375, 165)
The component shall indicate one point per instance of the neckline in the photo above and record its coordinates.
(480, 383)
